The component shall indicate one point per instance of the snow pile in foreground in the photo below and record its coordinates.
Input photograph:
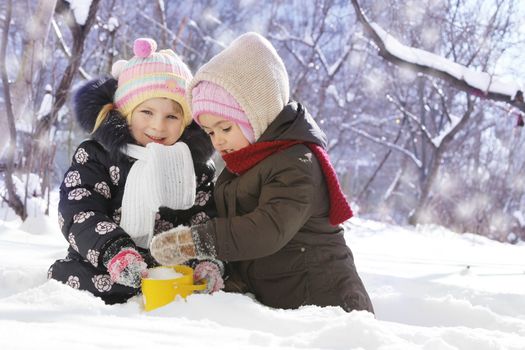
(432, 289)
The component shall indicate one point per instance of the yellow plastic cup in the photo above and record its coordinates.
(157, 293)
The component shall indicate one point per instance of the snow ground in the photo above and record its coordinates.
(432, 289)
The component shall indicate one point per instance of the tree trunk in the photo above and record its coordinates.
(42, 130)
(433, 168)
(13, 200)
(34, 45)
(79, 34)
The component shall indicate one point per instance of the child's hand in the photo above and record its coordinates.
(127, 268)
(173, 247)
(209, 272)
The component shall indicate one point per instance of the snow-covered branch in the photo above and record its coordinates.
(474, 82)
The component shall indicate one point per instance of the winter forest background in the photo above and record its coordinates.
(433, 136)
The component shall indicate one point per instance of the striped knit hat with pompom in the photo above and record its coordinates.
(151, 74)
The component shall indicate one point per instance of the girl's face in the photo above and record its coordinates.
(157, 120)
(226, 136)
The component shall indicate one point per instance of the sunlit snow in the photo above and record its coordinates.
(432, 289)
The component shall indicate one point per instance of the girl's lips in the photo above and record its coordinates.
(156, 139)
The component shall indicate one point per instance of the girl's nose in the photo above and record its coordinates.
(218, 140)
(157, 123)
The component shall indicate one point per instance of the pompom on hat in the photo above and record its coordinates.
(151, 74)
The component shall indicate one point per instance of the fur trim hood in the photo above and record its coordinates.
(114, 132)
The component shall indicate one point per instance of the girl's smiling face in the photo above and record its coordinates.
(157, 120)
(226, 136)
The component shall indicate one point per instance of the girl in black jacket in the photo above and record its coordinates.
(146, 168)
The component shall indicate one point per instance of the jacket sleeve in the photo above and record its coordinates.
(284, 207)
(204, 204)
(84, 206)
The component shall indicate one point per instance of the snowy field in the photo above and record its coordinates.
(432, 289)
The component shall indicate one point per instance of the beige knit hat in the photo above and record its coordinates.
(253, 73)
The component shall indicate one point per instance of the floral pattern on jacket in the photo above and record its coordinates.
(91, 198)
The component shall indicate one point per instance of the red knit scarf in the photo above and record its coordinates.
(244, 159)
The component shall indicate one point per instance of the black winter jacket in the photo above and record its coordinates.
(93, 187)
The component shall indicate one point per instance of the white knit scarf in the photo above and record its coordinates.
(162, 176)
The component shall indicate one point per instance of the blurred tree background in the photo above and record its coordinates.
(409, 148)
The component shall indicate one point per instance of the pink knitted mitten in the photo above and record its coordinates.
(127, 268)
(210, 273)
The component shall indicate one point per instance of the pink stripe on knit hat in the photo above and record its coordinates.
(145, 68)
(220, 109)
(213, 99)
(201, 99)
(155, 89)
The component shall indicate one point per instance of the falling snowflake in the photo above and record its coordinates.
(374, 82)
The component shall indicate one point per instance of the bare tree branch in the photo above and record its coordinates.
(413, 117)
(170, 32)
(379, 167)
(66, 49)
(391, 145)
(161, 10)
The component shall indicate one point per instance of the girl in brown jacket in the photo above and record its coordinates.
(279, 202)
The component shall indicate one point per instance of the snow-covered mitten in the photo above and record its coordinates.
(209, 272)
(181, 244)
(127, 268)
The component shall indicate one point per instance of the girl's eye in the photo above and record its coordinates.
(147, 112)
(228, 129)
(174, 117)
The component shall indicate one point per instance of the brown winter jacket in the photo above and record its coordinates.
(273, 227)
